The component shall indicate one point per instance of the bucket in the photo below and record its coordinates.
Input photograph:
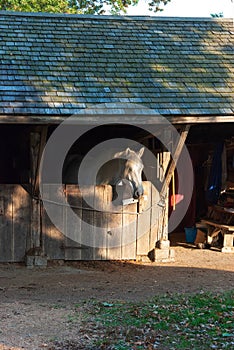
(190, 234)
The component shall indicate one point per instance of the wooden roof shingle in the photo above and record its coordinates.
(62, 64)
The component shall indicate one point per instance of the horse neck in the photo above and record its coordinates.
(120, 169)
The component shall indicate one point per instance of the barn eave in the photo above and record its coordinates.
(96, 118)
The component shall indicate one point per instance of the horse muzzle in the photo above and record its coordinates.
(138, 192)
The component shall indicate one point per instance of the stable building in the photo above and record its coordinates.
(161, 82)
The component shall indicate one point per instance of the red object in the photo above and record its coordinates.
(175, 199)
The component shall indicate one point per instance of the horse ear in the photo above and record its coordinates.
(128, 151)
(125, 153)
(140, 153)
(118, 154)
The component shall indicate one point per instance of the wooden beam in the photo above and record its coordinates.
(217, 224)
(173, 162)
(200, 119)
(93, 118)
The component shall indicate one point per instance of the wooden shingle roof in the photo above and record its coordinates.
(62, 64)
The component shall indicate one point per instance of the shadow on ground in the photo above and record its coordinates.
(194, 270)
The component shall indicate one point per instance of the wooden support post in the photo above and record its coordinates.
(37, 144)
(163, 203)
(173, 192)
(171, 168)
(173, 162)
(164, 243)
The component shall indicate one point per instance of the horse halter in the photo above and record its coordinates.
(125, 188)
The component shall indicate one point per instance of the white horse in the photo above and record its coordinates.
(123, 165)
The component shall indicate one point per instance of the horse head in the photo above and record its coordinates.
(132, 169)
(126, 164)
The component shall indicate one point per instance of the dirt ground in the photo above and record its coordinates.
(40, 307)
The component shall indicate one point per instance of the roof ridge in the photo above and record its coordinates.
(110, 17)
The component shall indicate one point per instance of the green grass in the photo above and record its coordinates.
(201, 321)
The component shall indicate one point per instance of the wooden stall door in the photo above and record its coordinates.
(137, 225)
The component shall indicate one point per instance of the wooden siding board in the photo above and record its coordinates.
(6, 230)
(100, 224)
(114, 228)
(143, 224)
(72, 246)
(129, 232)
(14, 222)
(87, 229)
(21, 221)
(154, 232)
(53, 238)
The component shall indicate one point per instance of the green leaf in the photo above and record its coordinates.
(227, 335)
(107, 304)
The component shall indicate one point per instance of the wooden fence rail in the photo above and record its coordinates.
(138, 225)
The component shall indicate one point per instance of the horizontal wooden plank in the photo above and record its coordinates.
(95, 119)
(217, 224)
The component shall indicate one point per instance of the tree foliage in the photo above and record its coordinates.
(217, 15)
(77, 6)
